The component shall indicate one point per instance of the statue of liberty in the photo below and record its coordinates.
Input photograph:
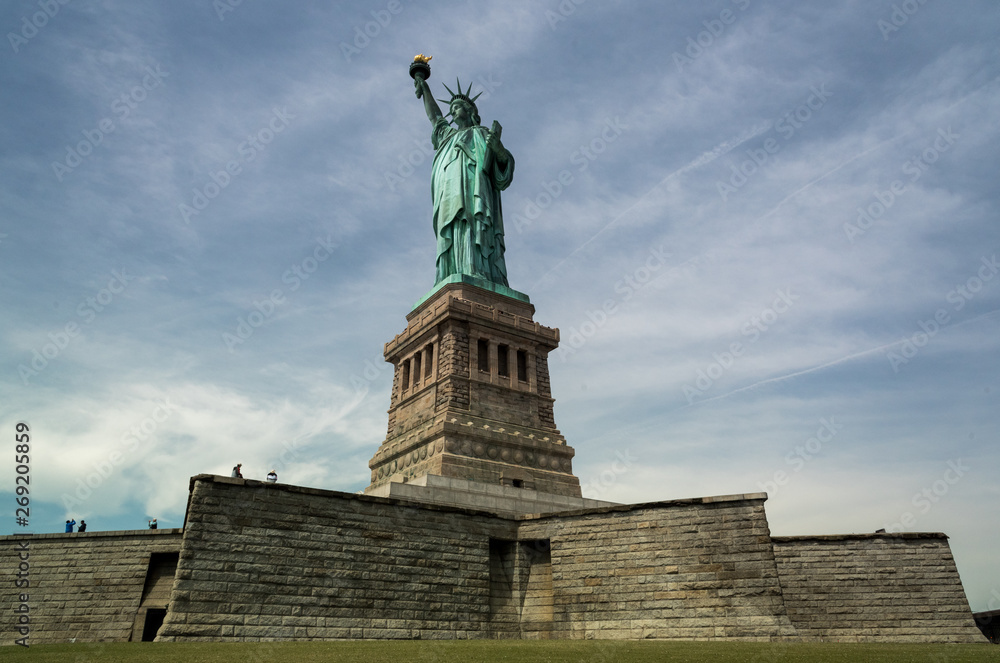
(471, 168)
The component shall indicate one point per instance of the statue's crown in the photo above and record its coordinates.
(461, 95)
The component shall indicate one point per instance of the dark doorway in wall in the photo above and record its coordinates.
(154, 620)
(160, 574)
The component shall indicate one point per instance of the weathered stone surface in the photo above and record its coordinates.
(265, 562)
(874, 587)
(82, 587)
(502, 500)
(685, 569)
(329, 565)
(471, 397)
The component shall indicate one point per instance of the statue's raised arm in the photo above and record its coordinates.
(471, 168)
(424, 91)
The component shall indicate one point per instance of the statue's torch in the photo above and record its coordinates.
(420, 69)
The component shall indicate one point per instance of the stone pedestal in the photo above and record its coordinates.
(471, 397)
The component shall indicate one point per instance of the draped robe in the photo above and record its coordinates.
(468, 220)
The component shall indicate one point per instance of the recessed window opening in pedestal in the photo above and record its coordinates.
(406, 375)
(522, 366)
(483, 350)
(503, 361)
(416, 369)
(517, 483)
(428, 360)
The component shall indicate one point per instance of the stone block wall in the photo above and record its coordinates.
(260, 561)
(874, 587)
(474, 378)
(678, 570)
(266, 561)
(546, 414)
(82, 587)
(270, 561)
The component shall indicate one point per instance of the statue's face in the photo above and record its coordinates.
(461, 112)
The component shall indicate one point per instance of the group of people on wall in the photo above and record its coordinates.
(272, 477)
(70, 524)
(237, 473)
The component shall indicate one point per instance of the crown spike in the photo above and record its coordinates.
(463, 95)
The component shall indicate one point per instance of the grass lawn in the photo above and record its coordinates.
(500, 651)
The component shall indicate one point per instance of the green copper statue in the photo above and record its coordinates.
(471, 168)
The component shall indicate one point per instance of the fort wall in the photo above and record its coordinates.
(259, 561)
(264, 561)
(681, 570)
(874, 587)
(273, 562)
(85, 587)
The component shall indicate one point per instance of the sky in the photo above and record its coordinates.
(767, 232)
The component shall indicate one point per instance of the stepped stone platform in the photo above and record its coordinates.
(284, 562)
(258, 561)
(501, 499)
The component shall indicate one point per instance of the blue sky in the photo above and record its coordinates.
(767, 232)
